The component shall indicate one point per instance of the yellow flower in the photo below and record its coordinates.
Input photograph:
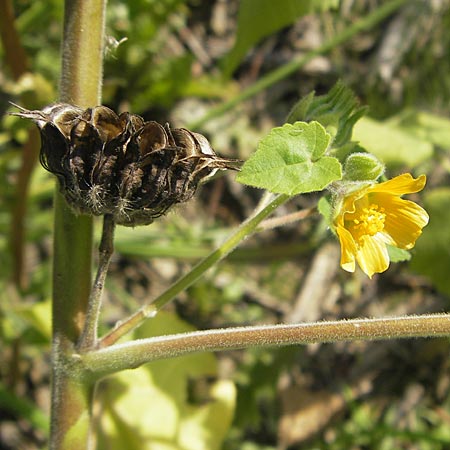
(375, 216)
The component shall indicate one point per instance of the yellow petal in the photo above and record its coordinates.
(348, 249)
(372, 255)
(403, 184)
(404, 220)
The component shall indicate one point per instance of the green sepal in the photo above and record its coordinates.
(325, 208)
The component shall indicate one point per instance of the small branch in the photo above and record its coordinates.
(130, 355)
(269, 224)
(247, 228)
(88, 337)
(123, 327)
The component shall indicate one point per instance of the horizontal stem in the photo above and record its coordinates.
(132, 354)
(150, 310)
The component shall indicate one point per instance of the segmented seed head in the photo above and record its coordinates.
(121, 165)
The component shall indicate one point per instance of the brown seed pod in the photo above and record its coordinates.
(121, 165)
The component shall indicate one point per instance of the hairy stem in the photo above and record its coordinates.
(82, 63)
(88, 337)
(82, 52)
(135, 353)
(247, 228)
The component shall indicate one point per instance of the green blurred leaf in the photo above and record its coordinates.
(393, 145)
(290, 160)
(432, 255)
(29, 321)
(163, 84)
(208, 87)
(151, 408)
(23, 408)
(39, 318)
(398, 254)
(259, 18)
(34, 87)
(426, 126)
(143, 68)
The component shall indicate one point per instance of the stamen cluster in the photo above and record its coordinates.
(367, 221)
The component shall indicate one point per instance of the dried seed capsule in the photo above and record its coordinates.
(121, 165)
(96, 154)
(55, 123)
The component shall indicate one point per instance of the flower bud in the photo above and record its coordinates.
(362, 167)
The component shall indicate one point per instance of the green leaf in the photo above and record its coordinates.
(431, 253)
(393, 145)
(260, 18)
(290, 160)
(337, 111)
(171, 404)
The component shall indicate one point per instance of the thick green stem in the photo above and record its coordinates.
(82, 52)
(135, 353)
(82, 62)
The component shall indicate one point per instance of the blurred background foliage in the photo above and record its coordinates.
(174, 60)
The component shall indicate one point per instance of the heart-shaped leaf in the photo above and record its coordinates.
(290, 160)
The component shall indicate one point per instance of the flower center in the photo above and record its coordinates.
(368, 221)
